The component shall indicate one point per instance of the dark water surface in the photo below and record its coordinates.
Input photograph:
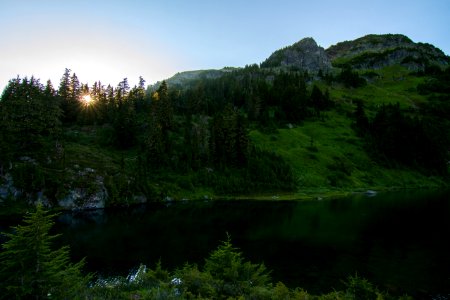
(399, 241)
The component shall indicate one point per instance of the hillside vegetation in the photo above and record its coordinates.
(257, 131)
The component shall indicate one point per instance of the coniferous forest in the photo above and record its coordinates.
(213, 137)
(265, 131)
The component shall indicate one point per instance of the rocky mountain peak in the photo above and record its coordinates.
(370, 42)
(303, 55)
(376, 51)
(307, 43)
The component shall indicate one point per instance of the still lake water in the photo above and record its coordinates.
(399, 241)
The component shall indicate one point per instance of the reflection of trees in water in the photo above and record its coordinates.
(381, 237)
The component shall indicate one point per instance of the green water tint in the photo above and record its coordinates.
(399, 241)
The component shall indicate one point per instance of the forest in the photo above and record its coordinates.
(252, 132)
(200, 138)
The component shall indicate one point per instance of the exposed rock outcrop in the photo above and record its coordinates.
(7, 188)
(85, 190)
(92, 196)
(303, 55)
(378, 51)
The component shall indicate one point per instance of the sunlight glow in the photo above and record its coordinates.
(87, 100)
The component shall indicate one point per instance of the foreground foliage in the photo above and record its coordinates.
(225, 275)
(29, 267)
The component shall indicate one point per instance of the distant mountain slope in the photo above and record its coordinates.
(187, 77)
(303, 55)
(378, 51)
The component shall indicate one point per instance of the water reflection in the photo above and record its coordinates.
(398, 241)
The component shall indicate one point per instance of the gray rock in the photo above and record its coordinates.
(304, 55)
(139, 199)
(82, 198)
(370, 193)
(7, 188)
(168, 199)
(378, 51)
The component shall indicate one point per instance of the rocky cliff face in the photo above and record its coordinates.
(369, 52)
(378, 51)
(86, 190)
(372, 42)
(303, 55)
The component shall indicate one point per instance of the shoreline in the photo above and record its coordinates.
(311, 194)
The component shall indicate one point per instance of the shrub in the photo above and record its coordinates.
(360, 288)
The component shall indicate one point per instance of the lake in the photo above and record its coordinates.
(399, 241)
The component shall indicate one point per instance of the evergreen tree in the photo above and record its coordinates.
(84, 89)
(229, 143)
(139, 96)
(361, 120)
(88, 112)
(111, 103)
(164, 108)
(64, 86)
(124, 117)
(100, 95)
(242, 141)
(122, 92)
(73, 106)
(29, 268)
(350, 78)
(155, 154)
(233, 275)
(49, 90)
(29, 113)
(69, 92)
(161, 117)
(289, 93)
(75, 88)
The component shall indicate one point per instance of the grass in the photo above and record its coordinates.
(328, 157)
(394, 85)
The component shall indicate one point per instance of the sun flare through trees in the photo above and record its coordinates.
(87, 100)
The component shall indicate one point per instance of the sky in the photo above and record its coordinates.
(111, 40)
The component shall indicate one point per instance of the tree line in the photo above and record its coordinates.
(203, 129)
(396, 137)
(171, 130)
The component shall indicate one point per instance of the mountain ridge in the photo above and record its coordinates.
(372, 51)
(303, 55)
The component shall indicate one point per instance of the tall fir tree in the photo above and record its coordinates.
(162, 113)
(124, 119)
(64, 86)
(69, 93)
(29, 268)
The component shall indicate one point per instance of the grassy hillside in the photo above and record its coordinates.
(327, 153)
(252, 132)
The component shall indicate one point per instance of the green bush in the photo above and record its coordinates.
(360, 288)
(196, 284)
(232, 274)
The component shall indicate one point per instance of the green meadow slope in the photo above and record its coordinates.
(327, 154)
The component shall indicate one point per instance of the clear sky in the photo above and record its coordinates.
(110, 40)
